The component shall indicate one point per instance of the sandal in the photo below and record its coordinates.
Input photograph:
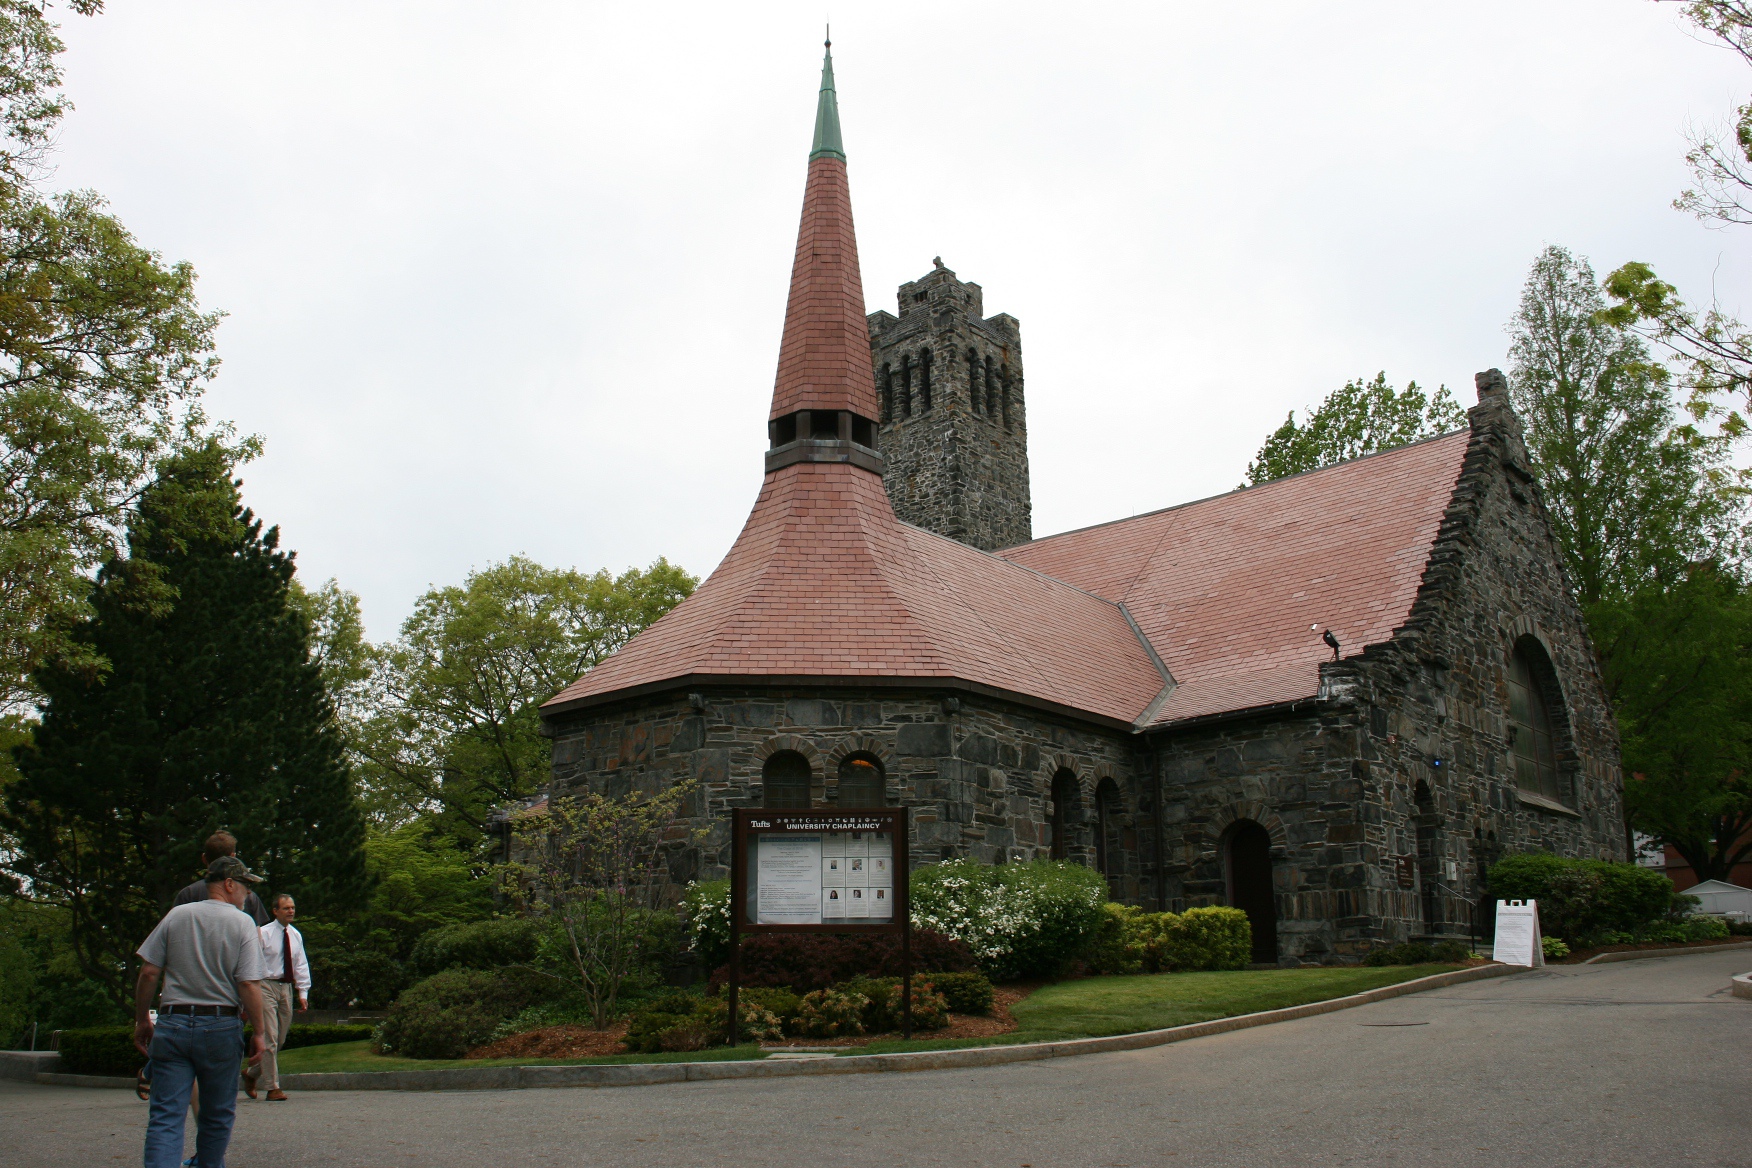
(142, 1085)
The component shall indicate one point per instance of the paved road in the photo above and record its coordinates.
(1631, 1064)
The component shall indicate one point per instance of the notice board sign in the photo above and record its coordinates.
(1517, 934)
(819, 871)
(828, 871)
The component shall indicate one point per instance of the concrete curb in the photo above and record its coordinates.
(25, 1065)
(1639, 954)
(646, 1074)
(1741, 986)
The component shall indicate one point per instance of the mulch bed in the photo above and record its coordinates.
(568, 1042)
(556, 1042)
(1577, 956)
(999, 1021)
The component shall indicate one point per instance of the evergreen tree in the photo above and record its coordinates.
(213, 715)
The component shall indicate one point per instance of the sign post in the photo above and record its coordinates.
(1517, 934)
(820, 871)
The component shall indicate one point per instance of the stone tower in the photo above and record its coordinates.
(954, 430)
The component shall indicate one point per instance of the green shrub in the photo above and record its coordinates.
(1214, 937)
(1450, 952)
(1404, 953)
(1119, 943)
(1020, 920)
(831, 1014)
(448, 1014)
(781, 1001)
(1579, 898)
(347, 975)
(1740, 928)
(1553, 948)
(1705, 929)
(706, 909)
(966, 993)
(100, 1050)
(489, 944)
(647, 1025)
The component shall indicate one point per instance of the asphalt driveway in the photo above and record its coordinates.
(1635, 1063)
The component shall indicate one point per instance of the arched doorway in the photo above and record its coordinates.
(1247, 855)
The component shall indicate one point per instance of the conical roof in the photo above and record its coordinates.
(825, 584)
(824, 359)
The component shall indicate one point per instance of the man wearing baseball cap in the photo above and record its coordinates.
(210, 957)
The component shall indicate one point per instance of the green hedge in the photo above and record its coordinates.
(1579, 899)
(110, 1050)
(1131, 940)
(450, 1013)
(488, 944)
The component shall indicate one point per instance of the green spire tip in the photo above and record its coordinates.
(827, 127)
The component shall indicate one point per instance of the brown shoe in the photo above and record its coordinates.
(276, 1096)
(250, 1075)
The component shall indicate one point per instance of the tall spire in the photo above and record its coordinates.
(824, 358)
(827, 131)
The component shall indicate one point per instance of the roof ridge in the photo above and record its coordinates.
(1237, 491)
(1033, 571)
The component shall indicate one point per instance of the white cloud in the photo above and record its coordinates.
(510, 278)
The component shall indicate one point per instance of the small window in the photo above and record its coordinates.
(861, 782)
(1064, 813)
(924, 381)
(1534, 744)
(1107, 828)
(785, 781)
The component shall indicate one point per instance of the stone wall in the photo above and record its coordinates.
(977, 773)
(1388, 800)
(954, 434)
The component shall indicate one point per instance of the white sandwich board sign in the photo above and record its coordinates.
(1517, 934)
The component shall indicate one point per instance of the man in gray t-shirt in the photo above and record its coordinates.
(210, 956)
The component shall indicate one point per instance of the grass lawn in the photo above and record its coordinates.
(1087, 1008)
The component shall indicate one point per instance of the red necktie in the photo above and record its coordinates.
(286, 940)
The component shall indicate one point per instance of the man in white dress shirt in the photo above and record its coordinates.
(288, 973)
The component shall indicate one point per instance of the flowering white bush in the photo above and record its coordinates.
(706, 908)
(1020, 920)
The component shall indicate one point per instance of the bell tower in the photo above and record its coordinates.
(953, 427)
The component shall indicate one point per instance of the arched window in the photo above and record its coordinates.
(924, 381)
(906, 372)
(887, 392)
(784, 780)
(991, 387)
(861, 781)
(1107, 859)
(1247, 858)
(1532, 728)
(973, 382)
(1064, 812)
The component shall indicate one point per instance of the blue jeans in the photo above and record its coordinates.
(187, 1050)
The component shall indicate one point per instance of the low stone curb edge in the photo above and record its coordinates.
(1639, 954)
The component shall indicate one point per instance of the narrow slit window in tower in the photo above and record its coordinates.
(924, 381)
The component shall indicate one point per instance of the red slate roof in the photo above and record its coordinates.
(824, 358)
(824, 582)
(1226, 588)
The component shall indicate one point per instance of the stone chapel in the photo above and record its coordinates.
(1332, 700)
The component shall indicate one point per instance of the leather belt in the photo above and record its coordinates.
(200, 1011)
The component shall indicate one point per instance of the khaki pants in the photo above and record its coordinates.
(277, 1002)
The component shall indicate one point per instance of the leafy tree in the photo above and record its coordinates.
(593, 866)
(1718, 165)
(1635, 491)
(104, 354)
(1678, 668)
(454, 730)
(1361, 418)
(213, 715)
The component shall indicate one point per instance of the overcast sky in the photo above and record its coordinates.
(509, 277)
